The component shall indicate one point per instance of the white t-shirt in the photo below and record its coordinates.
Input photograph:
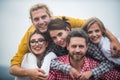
(104, 45)
(30, 61)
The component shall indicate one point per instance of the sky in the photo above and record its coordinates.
(14, 19)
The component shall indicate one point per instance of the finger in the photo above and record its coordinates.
(112, 53)
(42, 78)
(41, 70)
(42, 75)
(79, 75)
(72, 76)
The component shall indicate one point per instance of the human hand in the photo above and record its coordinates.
(85, 75)
(115, 48)
(73, 73)
(37, 74)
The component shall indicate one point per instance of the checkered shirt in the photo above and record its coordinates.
(59, 75)
(104, 66)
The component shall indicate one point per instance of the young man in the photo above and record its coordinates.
(40, 16)
(58, 30)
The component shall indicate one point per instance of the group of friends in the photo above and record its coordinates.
(61, 47)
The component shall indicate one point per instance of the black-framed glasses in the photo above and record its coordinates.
(38, 41)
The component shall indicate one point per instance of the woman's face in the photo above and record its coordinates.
(59, 37)
(95, 33)
(38, 44)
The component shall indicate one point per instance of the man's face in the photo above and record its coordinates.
(40, 19)
(77, 48)
(59, 37)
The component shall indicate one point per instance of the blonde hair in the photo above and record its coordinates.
(40, 6)
(93, 20)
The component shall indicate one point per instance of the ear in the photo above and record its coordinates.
(67, 28)
(67, 46)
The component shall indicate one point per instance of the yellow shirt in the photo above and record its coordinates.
(23, 46)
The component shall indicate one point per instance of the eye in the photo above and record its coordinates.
(41, 40)
(73, 46)
(89, 32)
(53, 38)
(97, 31)
(44, 16)
(33, 41)
(36, 19)
(60, 34)
(81, 46)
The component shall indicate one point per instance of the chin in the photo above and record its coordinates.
(43, 31)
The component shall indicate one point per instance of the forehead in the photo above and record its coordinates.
(94, 26)
(36, 36)
(77, 41)
(56, 32)
(40, 11)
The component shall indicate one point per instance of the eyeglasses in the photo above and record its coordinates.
(39, 41)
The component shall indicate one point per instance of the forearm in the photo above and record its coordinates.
(102, 68)
(46, 62)
(18, 71)
(57, 65)
(74, 22)
(110, 35)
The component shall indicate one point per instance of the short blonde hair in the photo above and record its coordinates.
(40, 6)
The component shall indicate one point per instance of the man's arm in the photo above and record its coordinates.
(57, 65)
(115, 45)
(32, 73)
(74, 22)
(28, 68)
(22, 48)
(102, 68)
(104, 65)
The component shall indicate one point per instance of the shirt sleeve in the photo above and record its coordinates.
(104, 66)
(74, 22)
(46, 62)
(22, 48)
(57, 65)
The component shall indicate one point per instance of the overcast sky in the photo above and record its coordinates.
(14, 18)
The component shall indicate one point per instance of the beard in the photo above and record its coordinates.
(76, 58)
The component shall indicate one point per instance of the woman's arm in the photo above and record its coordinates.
(115, 45)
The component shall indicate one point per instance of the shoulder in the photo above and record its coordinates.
(62, 58)
(31, 28)
(91, 61)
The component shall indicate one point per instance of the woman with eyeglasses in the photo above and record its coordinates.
(38, 45)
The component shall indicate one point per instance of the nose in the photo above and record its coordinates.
(36, 43)
(94, 34)
(41, 21)
(77, 49)
(58, 39)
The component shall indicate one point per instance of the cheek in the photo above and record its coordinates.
(89, 35)
(64, 36)
(35, 24)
